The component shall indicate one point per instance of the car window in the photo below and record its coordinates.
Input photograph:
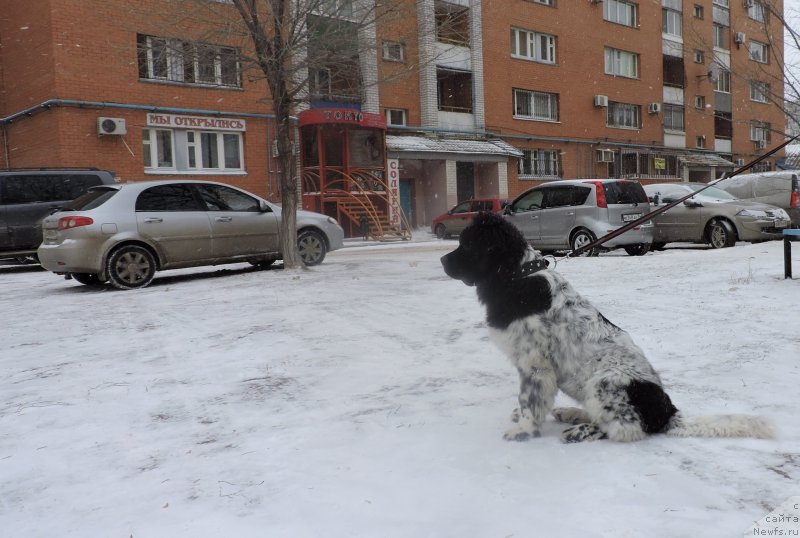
(667, 193)
(624, 192)
(90, 200)
(528, 201)
(482, 205)
(221, 198)
(566, 196)
(168, 198)
(30, 188)
(713, 193)
(463, 207)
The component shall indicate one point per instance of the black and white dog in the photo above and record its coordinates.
(558, 340)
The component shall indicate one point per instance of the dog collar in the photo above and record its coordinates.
(531, 267)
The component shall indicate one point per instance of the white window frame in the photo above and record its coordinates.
(543, 2)
(758, 52)
(175, 61)
(672, 23)
(698, 12)
(700, 102)
(759, 91)
(539, 47)
(621, 63)
(539, 163)
(620, 12)
(700, 142)
(759, 131)
(182, 147)
(548, 101)
(669, 110)
(718, 35)
(629, 114)
(757, 11)
(723, 83)
(402, 112)
(394, 51)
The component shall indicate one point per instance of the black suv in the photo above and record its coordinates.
(27, 195)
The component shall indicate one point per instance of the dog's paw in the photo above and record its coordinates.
(582, 432)
(520, 434)
(515, 414)
(570, 415)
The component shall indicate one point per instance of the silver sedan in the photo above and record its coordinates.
(712, 216)
(124, 233)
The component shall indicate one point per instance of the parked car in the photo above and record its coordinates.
(781, 189)
(124, 233)
(570, 214)
(27, 195)
(454, 221)
(713, 216)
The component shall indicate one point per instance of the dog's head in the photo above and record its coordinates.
(489, 246)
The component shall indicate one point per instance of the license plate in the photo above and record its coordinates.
(50, 234)
(630, 217)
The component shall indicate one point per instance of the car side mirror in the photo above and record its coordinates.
(263, 206)
(507, 210)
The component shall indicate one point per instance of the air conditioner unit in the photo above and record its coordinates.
(761, 144)
(654, 108)
(739, 162)
(605, 156)
(111, 126)
(739, 38)
(600, 100)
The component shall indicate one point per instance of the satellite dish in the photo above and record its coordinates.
(713, 73)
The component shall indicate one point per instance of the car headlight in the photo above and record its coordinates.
(752, 213)
(333, 221)
(781, 214)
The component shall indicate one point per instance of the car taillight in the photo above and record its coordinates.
(600, 192)
(66, 223)
(794, 203)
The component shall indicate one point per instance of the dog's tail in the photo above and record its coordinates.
(721, 426)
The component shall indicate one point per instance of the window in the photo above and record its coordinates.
(621, 63)
(759, 52)
(723, 3)
(452, 23)
(544, 2)
(671, 23)
(760, 131)
(533, 46)
(623, 115)
(723, 83)
(698, 11)
(720, 36)
(188, 62)
(757, 11)
(540, 163)
(674, 73)
(759, 91)
(700, 142)
(168, 198)
(396, 116)
(535, 105)
(157, 149)
(620, 12)
(723, 125)
(394, 51)
(700, 102)
(699, 57)
(192, 151)
(673, 117)
(221, 198)
(454, 90)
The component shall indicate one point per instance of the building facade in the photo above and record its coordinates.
(485, 98)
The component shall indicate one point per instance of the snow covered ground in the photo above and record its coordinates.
(361, 398)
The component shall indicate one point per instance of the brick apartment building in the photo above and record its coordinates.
(509, 93)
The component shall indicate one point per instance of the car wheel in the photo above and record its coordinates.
(131, 267)
(312, 247)
(441, 231)
(580, 239)
(639, 249)
(87, 279)
(721, 234)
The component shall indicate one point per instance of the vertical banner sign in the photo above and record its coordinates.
(393, 166)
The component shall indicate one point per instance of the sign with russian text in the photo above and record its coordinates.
(659, 163)
(341, 115)
(205, 123)
(393, 167)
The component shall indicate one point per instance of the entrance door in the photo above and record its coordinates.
(465, 181)
(405, 200)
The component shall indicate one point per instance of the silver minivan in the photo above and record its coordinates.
(570, 214)
(781, 189)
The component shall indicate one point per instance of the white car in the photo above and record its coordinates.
(124, 233)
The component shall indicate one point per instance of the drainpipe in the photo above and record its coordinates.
(5, 146)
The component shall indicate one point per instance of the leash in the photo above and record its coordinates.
(656, 212)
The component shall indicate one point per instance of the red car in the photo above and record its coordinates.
(455, 220)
